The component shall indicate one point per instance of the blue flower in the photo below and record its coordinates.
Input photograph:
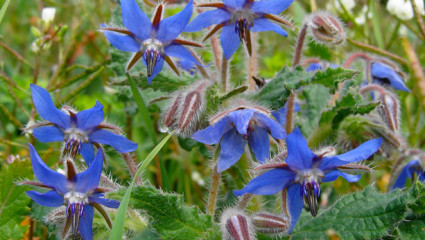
(384, 74)
(303, 171)
(319, 66)
(78, 192)
(280, 115)
(154, 42)
(412, 167)
(80, 131)
(234, 129)
(238, 18)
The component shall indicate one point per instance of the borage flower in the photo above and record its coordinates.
(387, 74)
(153, 42)
(79, 192)
(238, 18)
(236, 127)
(411, 168)
(303, 171)
(79, 130)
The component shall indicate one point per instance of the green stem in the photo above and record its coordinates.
(149, 126)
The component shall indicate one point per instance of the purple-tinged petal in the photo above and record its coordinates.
(120, 143)
(406, 173)
(48, 199)
(46, 109)
(269, 183)
(110, 203)
(212, 134)
(89, 179)
(382, 72)
(135, 20)
(48, 134)
(235, 4)
(333, 175)
(121, 42)
(295, 203)
(86, 222)
(259, 142)
(275, 129)
(45, 175)
(300, 157)
(241, 118)
(178, 51)
(87, 151)
(229, 40)
(270, 6)
(90, 118)
(232, 147)
(158, 68)
(360, 153)
(207, 19)
(263, 25)
(171, 27)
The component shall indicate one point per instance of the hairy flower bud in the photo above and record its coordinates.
(270, 223)
(236, 225)
(325, 28)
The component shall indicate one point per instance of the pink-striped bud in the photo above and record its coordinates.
(390, 111)
(270, 223)
(236, 225)
(326, 29)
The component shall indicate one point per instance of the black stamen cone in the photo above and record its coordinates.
(311, 199)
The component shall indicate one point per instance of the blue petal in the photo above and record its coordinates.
(295, 204)
(90, 118)
(406, 173)
(48, 134)
(333, 175)
(300, 157)
(241, 118)
(275, 129)
(360, 153)
(48, 199)
(46, 109)
(229, 40)
(86, 221)
(236, 4)
(313, 67)
(178, 51)
(87, 151)
(207, 19)
(135, 20)
(171, 27)
(45, 174)
(270, 6)
(263, 25)
(110, 203)
(121, 42)
(259, 143)
(158, 67)
(269, 183)
(212, 134)
(383, 71)
(231, 148)
(89, 179)
(120, 143)
(280, 115)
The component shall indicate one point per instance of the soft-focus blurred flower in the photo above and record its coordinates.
(347, 4)
(403, 8)
(48, 14)
(384, 74)
(414, 166)
(239, 18)
(78, 191)
(235, 128)
(154, 42)
(303, 171)
(79, 130)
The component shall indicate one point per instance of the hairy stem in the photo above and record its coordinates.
(224, 66)
(212, 197)
(132, 166)
(244, 200)
(253, 62)
(418, 18)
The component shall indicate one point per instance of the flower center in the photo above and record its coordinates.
(152, 50)
(310, 188)
(74, 139)
(75, 202)
(243, 20)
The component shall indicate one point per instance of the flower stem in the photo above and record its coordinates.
(244, 200)
(252, 62)
(224, 66)
(418, 18)
(212, 197)
(149, 126)
(216, 52)
(132, 166)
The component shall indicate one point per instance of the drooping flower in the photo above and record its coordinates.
(238, 18)
(80, 131)
(303, 171)
(412, 167)
(387, 75)
(79, 192)
(234, 128)
(154, 42)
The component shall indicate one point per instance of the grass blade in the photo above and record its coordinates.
(3, 9)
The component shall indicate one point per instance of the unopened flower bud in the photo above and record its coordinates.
(326, 29)
(236, 225)
(390, 111)
(270, 223)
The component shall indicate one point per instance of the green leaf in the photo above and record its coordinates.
(3, 9)
(331, 77)
(412, 228)
(171, 218)
(316, 99)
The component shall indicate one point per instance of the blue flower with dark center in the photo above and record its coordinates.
(413, 167)
(79, 192)
(303, 171)
(80, 131)
(238, 18)
(387, 75)
(235, 128)
(154, 42)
